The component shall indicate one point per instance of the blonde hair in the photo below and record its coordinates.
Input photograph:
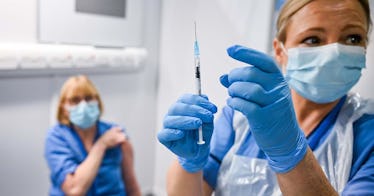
(71, 87)
(293, 6)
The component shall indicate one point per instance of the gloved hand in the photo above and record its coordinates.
(180, 133)
(222, 140)
(261, 93)
(223, 136)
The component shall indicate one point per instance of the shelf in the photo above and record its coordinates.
(36, 59)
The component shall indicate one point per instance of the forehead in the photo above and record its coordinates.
(329, 14)
(79, 89)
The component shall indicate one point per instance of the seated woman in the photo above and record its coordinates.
(85, 155)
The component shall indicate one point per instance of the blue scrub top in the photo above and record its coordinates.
(64, 151)
(361, 179)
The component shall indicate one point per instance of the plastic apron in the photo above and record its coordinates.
(241, 175)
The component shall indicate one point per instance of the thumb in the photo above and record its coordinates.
(224, 79)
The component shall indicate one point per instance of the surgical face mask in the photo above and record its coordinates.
(84, 115)
(326, 73)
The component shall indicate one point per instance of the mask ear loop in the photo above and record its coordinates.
(283, 48)
(284, 70)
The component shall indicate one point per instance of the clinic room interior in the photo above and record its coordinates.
(140, 57)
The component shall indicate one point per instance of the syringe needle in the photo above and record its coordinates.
(198, 81)
(195, 32)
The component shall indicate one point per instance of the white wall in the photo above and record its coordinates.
(25, 105)
(365, 86)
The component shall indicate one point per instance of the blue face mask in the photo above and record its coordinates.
(326, 73)
(84, 115)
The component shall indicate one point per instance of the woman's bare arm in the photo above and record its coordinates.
(128, 170)
(79, 182)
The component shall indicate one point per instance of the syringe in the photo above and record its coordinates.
(198, 81)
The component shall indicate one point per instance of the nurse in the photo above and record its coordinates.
(87, 156)
(293, 132)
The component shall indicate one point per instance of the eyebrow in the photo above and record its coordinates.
(315, 29)
(320, 29)
(354, 26)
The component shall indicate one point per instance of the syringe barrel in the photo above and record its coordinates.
(198, 86)
(197, 75)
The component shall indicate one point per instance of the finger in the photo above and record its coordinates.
(168, 135)
(224, 79)
(182, 109)
(122, 134)
(182, 122)
(253, 57)
(253, 74)
(114, 128)
(249, 109)
(204, 96)
(251, 92)
(207, 132)
(121, 138)
(117, 129)
(198, 100)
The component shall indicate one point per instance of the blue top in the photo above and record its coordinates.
(361, 179)
(64, 151)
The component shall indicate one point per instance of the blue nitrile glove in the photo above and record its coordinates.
(180, 133)
(222, 140)
(261, 93)
(223, 135)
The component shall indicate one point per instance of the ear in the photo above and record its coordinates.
(279, 52)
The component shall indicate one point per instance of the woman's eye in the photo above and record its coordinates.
(311, 41)
(354, 39)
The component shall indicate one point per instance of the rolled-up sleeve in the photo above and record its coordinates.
(60, 156)
(361, 180)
